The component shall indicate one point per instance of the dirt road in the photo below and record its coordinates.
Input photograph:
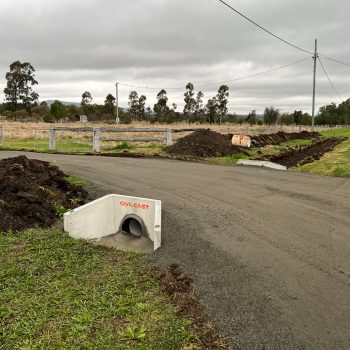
(269, 251)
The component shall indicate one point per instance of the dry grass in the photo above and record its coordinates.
(18, 130)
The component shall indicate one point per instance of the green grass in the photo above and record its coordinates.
(233, 159)
(42, 145)
(148, 149)
(60, 293)
(122, 145)
(60, 210)
(335, 163)
(69, 145)
(158, 146)
(290, 143)
(77, 181)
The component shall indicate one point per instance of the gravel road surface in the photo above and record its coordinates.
(269, 251)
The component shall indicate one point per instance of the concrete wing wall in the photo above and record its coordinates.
(92, 220)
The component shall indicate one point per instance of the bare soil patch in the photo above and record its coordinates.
(178, 286)
(300, 155)
(204, 143)
(281, 136)
(31, 191)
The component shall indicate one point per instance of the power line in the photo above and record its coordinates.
(220, 82)
(256, 74)
(149, 87)
(264, 29)
(325, 72)
(334, 60)
(279, 38)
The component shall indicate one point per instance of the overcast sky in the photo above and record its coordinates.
(90, 44)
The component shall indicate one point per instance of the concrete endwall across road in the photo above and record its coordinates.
(269, 251)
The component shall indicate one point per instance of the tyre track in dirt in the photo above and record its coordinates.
(268, 251)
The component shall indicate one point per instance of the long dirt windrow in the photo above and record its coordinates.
(300, 155)
(281, 136)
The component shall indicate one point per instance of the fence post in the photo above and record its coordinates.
(52, 139)
(169, 137)
(96, 140)
(1, 135)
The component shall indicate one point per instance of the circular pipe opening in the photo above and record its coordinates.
(133, 227)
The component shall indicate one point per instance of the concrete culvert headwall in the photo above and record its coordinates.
(137, 217)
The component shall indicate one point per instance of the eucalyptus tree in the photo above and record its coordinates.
(109, 104)
(20, 80)
(161, 108)
(222, 100)
(212, 110)
(86, 102)
(190, 101)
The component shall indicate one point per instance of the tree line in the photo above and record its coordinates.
(22, 103)
(194, 110)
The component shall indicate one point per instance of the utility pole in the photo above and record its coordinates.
(117, 101)
(314, 88)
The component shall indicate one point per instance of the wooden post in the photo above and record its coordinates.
(96, 140)
(52, 139)
(169, 137)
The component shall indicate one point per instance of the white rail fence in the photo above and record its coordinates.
(98, 137)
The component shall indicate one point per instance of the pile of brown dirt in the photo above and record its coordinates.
(281, 136)
(31, 191)
(300, 155)
(178, 286)
(204, 143)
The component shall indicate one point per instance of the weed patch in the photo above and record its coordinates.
(77, 181)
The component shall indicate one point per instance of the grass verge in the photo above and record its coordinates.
(335, 163)
(60, 293)
(69, 145)
(41, 145)
(233, 159)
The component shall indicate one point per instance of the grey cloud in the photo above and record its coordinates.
(88, 45)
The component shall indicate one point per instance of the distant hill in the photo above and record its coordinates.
(50, 102)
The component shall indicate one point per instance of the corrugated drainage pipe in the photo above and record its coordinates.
(133, 227)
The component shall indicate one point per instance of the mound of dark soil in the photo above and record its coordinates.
(300, 155)
(178, 286)
(31, 191)
(204, 143)
(281, 136)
